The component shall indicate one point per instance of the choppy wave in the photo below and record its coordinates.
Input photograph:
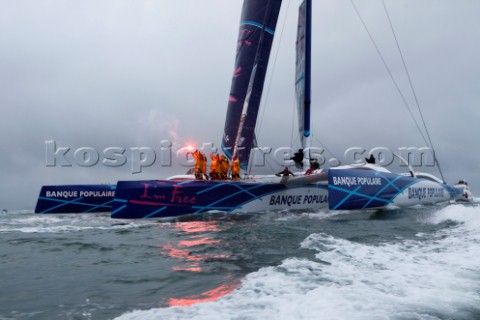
(434, 276)
(28, 222)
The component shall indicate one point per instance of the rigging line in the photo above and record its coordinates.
(250, 159)
(324, 146)
(267, 159)
(267, 93)
(292, 126)
(389, 72)
(412, 88)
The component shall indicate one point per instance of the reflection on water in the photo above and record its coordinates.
(197, 242)
(197, 248)
(197, 226)
(210, 295)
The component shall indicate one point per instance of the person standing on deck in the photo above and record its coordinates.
(199, 164)
(214, 167)
(224, 165)
(235, 169)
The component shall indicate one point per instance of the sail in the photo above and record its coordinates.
(257, 28)
(302, 80)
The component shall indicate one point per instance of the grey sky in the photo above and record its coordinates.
(132, 73)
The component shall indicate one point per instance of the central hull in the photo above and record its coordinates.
(170, 198)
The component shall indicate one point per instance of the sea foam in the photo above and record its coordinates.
(434, 276)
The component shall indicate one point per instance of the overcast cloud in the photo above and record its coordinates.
(117, 73)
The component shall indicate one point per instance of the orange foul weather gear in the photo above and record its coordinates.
(214, 167)
(235, 169)
(200, 163)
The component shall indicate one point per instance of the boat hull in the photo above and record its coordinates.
(75, 199)
(167, 198)
(335, 189)
(465, 195)
(353, 189)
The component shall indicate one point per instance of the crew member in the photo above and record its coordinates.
(223, 168)
(286, 172)
(298, 158)
(214, 166)
(314, 165)
(371, 159)
(235, 169)
(199, 164)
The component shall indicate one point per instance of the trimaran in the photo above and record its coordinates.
(343, 188)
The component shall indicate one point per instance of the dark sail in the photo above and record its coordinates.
(302, 84)
(257, 28)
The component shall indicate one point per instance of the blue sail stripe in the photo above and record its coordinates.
(258, 25)
(226, 150)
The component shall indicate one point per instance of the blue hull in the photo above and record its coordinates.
(75, 199)
(166, 198)
(347, 189)
(353, 189)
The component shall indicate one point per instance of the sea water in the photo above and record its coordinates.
(418, 263)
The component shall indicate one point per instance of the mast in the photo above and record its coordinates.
(251, 83)
(303, 73)
(308, 60)
(257, 29)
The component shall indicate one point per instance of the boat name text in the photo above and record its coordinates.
(174, 195)
(77, 193)
(357, 181)
(290, 200)
(424, 193)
